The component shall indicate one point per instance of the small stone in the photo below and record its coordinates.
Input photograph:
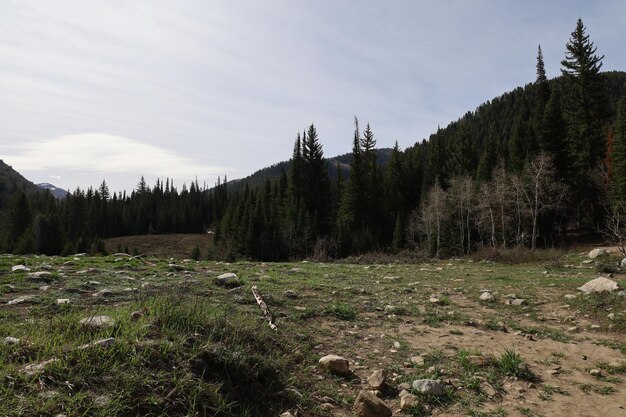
(103, 293)
(97, 322)
(35, 368)
(11, 340)
(20, 300)
(428, 386)
(488, 389)
(417, 360)
(61, 301)
(403, 393)
(136, 315)
(377, 379)
(408, 401)
(486, 296)
(335, 364)
(434, 300)
(286, 414)
(98, 343)
(570, 296)
(290, 294)
(518, 302)
(553, 372)
(595, 372)
(369, 405)
(598, 252)
(44, 276)
(175, 267)
(396, 345)
(477, 360)
(228, 279)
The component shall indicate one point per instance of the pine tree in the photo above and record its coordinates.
(543, 89)
(618, 156)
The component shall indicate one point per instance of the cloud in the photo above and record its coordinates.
(107, 154)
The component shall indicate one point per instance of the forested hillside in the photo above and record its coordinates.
(527, 168)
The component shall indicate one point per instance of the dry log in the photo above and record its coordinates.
(263, 306)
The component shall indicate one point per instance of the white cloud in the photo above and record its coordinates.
(107, 154)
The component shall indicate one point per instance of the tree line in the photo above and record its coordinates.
(522, 169)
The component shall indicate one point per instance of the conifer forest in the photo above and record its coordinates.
(540, 166)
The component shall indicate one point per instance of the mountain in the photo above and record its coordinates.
(57, 192)
(273, 171)
(11, 182)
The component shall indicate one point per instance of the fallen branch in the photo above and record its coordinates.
(263, 306)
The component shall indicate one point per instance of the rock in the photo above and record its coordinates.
(175, 267)
(428, 386)
(136, 315)
(20, 268)
(595, 372)
(403, 393)
(20, 300)
(44, 288)
(286, 414)
(228, 279)
(369, 405)
(434, 299)
(408, 401)
(600, 284)
(598, 252)
(377, 379)
(623, 263)
(517, 302)
(98, 343)
(488, 389)
(486, 296)
(61, 301)
(35, 368)
(44, 276)
(417, 360)
(91, 283)
(622, 294)
(103, 293)
(11, 340)
(570, 296)
(335, 364)
(97, 322)
(390, 309)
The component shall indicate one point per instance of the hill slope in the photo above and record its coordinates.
(11, 182)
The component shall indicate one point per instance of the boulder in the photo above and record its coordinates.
(623, 263)
(428, 386)
(335, 364)
(103, 293)
(600, 284)
(44, 276)
(228, 279)
(369, 405)
(598, 252)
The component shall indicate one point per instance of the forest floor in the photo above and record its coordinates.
(178, 342)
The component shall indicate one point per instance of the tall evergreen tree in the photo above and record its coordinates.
(618, 156)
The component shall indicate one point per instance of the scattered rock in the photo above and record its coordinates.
(35, 368)
(408, 401)
(486, 296)
(98, 343)
(290, 294)
(477, 360)
(377, 379)
(600, 284)
(286, 414)
(11, 340)
(434, 299)
(20, 268)
(61, 301)
(335, 364)
(369, 405)
(20, 300)
(175, 267)
(488, 389)
(228, 279)
(136, 315)
(623, 263)
(595, 372)
(44, 276)
(598, 252)
(103, 293)
(428, 386)
(570, 296)
(97, 322)
(516, 302)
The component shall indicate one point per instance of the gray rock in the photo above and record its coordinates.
(290, 294)
(103, 293)
(61, 301)
(175, 267)
(428, 386)
(335, 364)
(97, 322)
(20, 268)
(517, 302)
(369, 405)
(623, 263)
(36, 368)
(44, 276)
(486, 296)
(598, 252)
(600, 284)
(11, 340)
(98, 343)
(20, 300)
(228, 279)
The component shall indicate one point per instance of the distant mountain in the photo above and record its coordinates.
(272, 172)
(11, 182)
(54, 190)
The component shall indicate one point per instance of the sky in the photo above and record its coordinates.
(94, 90)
